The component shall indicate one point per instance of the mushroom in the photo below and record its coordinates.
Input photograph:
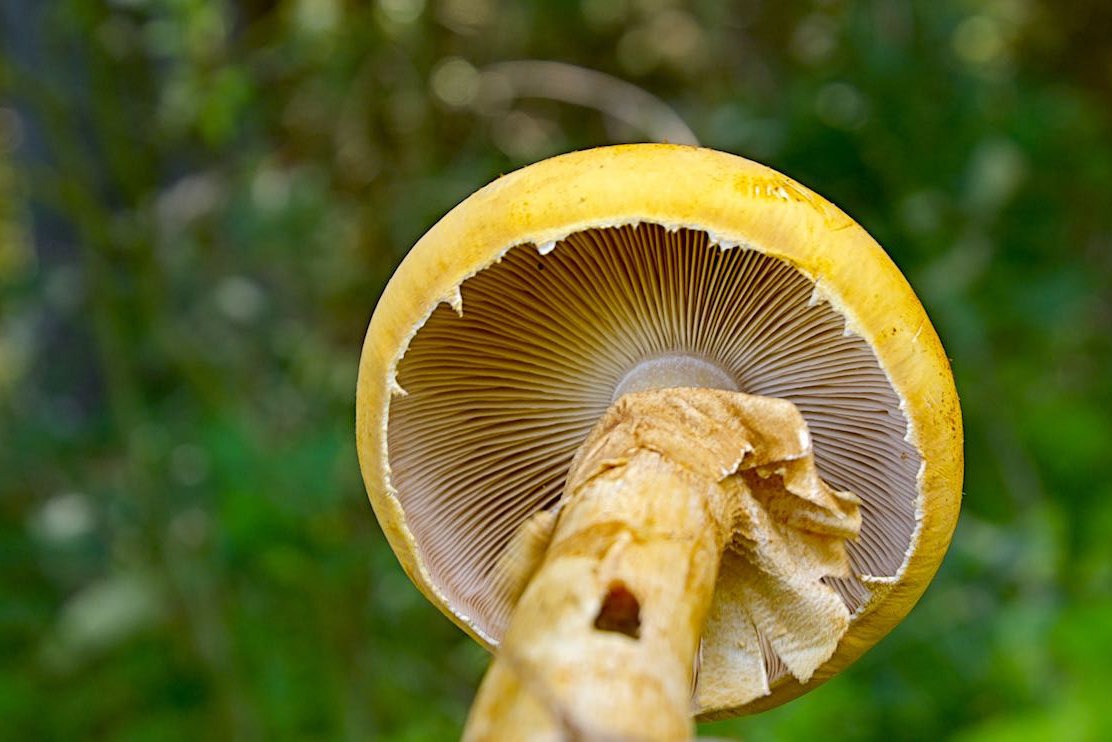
(666, 430)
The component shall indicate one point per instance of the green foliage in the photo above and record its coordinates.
(200, 201)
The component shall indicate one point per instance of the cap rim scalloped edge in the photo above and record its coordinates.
(737, 202)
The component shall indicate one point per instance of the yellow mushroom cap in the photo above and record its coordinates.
(514, 322)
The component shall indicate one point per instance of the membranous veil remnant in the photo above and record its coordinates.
(499, 399)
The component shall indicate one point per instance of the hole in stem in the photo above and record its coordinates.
(620, 611)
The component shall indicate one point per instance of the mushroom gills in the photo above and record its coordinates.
(500, 398)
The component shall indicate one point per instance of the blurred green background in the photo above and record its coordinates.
(200, 201)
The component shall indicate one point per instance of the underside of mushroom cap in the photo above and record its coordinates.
(547, 291)
(497, 398)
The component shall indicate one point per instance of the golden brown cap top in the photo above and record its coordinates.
(517, 319)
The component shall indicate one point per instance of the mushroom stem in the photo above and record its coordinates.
(603, 642)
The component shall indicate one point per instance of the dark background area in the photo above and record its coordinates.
(200, 201)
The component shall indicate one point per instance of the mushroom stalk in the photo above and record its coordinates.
(604, 641)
